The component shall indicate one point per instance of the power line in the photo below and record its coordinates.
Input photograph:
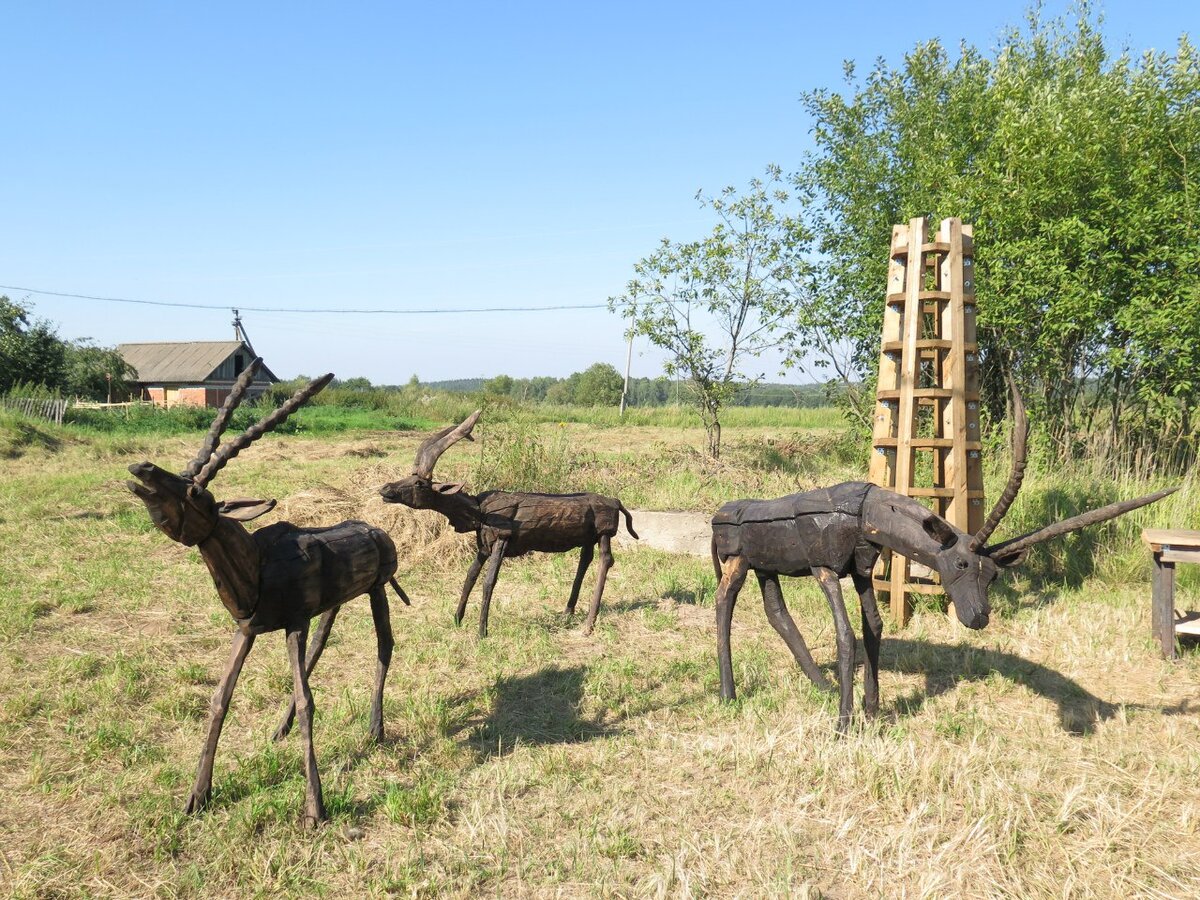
(281, 309)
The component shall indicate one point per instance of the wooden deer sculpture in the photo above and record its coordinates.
(275, 579)
(512, 524)
(839, 531)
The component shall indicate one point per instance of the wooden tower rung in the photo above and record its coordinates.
(927, 398)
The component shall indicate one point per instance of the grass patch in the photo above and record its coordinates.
(1053, 747)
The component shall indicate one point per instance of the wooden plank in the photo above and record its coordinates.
(917, 587)
(906, 415)
(1174, 555)
(925, 296)
(1188, 623)
(942, 492)
(927, 444)
(929, 344)
(882, 470)
(955, 423)
(919, 393)
(1176, 538)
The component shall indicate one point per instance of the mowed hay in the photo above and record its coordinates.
(423, 538)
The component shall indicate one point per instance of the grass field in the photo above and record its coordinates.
(1053, 754)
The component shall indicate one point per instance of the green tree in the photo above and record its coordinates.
(1079, 173)
(718, 303)
(563, 391)
(30, 351)
(599, 385)
(500, 386)
(96, 372)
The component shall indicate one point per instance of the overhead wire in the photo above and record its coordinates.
(306, 310)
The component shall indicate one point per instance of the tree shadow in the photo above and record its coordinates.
(946, 665)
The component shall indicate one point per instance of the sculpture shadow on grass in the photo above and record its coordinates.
(944, 666)
(542, 708)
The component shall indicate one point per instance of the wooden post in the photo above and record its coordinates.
(927, 398)
(1162, 615)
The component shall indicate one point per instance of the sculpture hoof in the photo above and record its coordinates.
(196, 802)
(284, 729)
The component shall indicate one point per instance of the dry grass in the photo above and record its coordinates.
(1051, 755)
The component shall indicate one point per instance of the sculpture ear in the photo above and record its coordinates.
(1013, 559)
(940, 530)
(244, 509)
(451, 488)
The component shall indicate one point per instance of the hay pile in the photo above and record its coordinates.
(423, 537)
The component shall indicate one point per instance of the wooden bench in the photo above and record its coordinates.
(1170, 546)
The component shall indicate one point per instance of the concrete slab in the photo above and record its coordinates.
(689, 533)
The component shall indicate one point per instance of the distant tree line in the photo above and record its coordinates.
(33, 356)
(600, 385)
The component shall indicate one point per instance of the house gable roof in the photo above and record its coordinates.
(187, 361)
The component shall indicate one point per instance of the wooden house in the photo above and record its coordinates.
(191, 373)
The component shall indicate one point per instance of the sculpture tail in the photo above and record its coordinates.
(716, 559)
(628, 520)
(399, 590)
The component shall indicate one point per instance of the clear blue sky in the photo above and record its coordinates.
(411, 156)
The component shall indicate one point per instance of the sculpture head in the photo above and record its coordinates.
(966, 564)
(181, 506)
(419, 490)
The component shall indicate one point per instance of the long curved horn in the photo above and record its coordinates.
(432, 448)
(1017, 545)
(258, 429)
(1020, 442)
(221, 422)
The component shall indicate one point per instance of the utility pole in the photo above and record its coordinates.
(239, 332)
(628, 362)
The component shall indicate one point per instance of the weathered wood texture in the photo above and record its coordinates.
(508, 523)
(275, 579)
(840, 531)
(1169, 546)
(927, 397)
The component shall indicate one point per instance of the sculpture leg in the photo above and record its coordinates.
(586, 552)
(845, 643)
(202, 790)
(315, 647)
(606, 561)
(384, 642)
(781, 620)
(733, 576)
(489, 582)
(469, 585)
(872, 636)
(314, 805)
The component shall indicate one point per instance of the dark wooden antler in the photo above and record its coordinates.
(434, 447)
(258, 429)
(1017, 545)
(221, 422)
(1020, 459)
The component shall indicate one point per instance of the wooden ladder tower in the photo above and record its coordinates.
(926, 429)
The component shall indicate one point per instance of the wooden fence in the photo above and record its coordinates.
(50, 410)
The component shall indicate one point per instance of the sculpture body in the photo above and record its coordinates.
(836, 532)
(510, 523)
(275, 579)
